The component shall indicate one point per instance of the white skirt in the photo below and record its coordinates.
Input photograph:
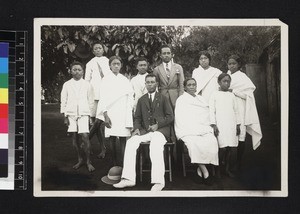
(118, 116)
(202, 149)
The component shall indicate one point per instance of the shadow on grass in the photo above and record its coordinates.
(68, 180)
(261, 168)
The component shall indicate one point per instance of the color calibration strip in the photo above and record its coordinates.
(20, 147)
(4, 47)
(13, 83)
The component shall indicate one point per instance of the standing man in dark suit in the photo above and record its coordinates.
(170, 76)
(152, 121)
(170, 83)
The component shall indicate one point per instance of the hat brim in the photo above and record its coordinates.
(108, 181)
(82, 51)
(76, 54)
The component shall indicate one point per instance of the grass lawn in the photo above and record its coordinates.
(261, 169)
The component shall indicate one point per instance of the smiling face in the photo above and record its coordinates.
(225, 83)
(151, 84)
(166, 55)
(98, 50)
(233, 65)
(142, 67)
(115, 66)
(204, 61)
(77, 72)
(191, 87)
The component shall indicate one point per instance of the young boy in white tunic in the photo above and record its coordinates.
(138, 81)
(77, 101)
(96, 69)
(225, 120)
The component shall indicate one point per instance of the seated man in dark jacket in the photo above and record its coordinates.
(153, 118)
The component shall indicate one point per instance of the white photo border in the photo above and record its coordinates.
(38, 22)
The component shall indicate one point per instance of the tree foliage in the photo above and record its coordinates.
(245, 41)
(59, 46)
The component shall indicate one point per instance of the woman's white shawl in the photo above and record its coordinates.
(191, 116)
(207, 81)
(243, 89)
(114, 88)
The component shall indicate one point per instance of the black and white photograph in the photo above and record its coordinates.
(160, 107)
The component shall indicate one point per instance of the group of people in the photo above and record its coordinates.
(209, 112)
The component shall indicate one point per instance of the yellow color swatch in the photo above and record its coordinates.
(3, 95)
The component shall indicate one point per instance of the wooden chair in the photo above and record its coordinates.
(167, 151)
(184, 153)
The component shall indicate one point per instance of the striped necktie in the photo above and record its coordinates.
(167, 71)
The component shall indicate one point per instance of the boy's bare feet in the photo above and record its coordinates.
(101, 154)
(90, 167)
(79, 164)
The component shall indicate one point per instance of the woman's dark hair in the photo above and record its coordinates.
(237, 58)
(139, 59)
(76, 63)
(151, 75)
(97, 43)
(221, 76)
(205, 53)
(188, 79)
(113, 58)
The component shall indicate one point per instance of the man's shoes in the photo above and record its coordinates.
(157, 187)
(124, 183)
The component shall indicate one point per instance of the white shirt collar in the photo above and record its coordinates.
(229, 72)
(152, 95)
(169, 65)
(142, 75)
(77, 80)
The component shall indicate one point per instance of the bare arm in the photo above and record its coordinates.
(107, 120)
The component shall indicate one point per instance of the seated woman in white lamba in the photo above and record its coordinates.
(192, 126)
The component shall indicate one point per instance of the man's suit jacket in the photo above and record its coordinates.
(160, 113)
(173, 87)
